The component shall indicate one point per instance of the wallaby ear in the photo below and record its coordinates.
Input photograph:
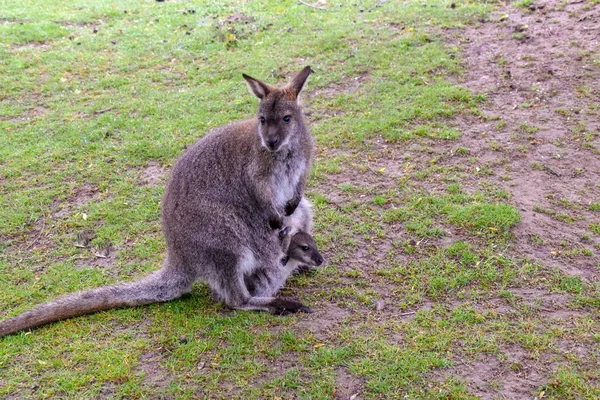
(258, 88)
(299, 81)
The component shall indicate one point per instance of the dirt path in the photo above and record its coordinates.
(540, 131)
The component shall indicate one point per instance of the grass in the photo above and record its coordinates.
(96, 97)
(524, 3)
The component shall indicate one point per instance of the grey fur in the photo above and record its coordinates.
(225, 195)
(301, 219)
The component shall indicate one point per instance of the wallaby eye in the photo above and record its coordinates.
(262, 120)
(305, 248)
(287, 118)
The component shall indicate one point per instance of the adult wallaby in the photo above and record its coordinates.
(298, 250)
(225, 196)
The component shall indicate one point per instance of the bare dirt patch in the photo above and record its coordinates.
(321, 321)
(101, 259)
(31, 45)
(154, 375)
(34, 112)
(539, 138)
(347, 386)
(515, 377)
(348, 86)
(154, 174)
(85, 194)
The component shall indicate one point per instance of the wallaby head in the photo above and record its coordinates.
(304, 249)
(279, 115)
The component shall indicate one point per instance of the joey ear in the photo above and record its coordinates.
(258, 88)
(284, 232)
(299, 81)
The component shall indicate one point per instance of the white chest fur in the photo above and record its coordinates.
(285, 180)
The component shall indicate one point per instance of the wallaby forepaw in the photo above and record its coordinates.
(284, 232)
(282, 306)
(276, 223)
(291, 206)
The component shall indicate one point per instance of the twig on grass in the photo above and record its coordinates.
(404, 314)
(463, 362)
(103, 110)
(41, 230)
(38, 236)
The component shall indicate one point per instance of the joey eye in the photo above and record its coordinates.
(262, 120)
(305, 248)
(287, 118)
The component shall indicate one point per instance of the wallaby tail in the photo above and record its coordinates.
(156, 287)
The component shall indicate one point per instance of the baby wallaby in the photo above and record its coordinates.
(301, 251)
(225, 196)
(297, 250)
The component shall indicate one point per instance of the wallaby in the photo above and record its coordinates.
(298, 249)
(225, 196)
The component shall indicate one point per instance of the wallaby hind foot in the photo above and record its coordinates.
(284, 306)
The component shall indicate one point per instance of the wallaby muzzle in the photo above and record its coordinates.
(272, 143)
(272, 139)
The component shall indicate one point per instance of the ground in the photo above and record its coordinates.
(456, 188)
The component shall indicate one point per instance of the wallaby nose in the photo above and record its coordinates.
(319, 261)
(272, 143)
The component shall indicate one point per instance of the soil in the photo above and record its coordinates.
(154, 374)
(514, 378)
(347, 386)
(154, 175)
